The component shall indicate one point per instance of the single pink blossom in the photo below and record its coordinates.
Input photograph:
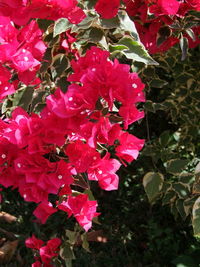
(43, 211)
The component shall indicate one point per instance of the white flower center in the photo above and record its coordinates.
(134, 85)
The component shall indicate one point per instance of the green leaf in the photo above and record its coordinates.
(191, 34)
(196, 217)
(150, 106)
(185, 261)
(188, 204)
(110, 23)
(128, 25)
(26, 98)
(197, 168)
(180, 208)
(113, 48)
(44, 23)
(56, 262)
(72, 236)
(90, 194)
(195, 13)
(61, 63)
(196, 188)
(153, 183)
(136, 51)
(176, 166)
(23, 98)
(85, 24)
(169, 197)
(165, 138)
(187, 178)
(61, 25)
(85, 243)
(95, 34)
(67, 254)
(181, 189)
(158, 83)
(184, 47)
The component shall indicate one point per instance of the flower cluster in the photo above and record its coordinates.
(72, 139)
(21, 54)
(21, 11)
(43, 252)
(153, 20)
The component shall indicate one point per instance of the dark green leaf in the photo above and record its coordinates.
(85, 24)
(44, 23)
(85, 243)
(180, 208)
(176, 166)
(196, 217)
(165, 138)
(157, 83)
(153, 183)
(169, 197)
(150, 106)
(95, 34)
(181, 189)
(61, 25)
(110, 23)
(184, 261)
(67, 254)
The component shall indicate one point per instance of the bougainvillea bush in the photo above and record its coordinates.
(74, 77)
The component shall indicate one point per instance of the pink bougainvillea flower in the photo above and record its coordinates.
(61, 177)
(37, 264)
(31, 38)
(6, 88)
(137, 7)
(22, 11)
(34, 243)
(107, 9)
(84, 210)
(8, 39)
(104, 171)
(129, 147)
(31, 191)
(149, 34)
(50, 250)
(24, 60)
(163, 7)
(96, 131)
(67, 105)
(81, 155)
(43, 211)
(130, 114)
